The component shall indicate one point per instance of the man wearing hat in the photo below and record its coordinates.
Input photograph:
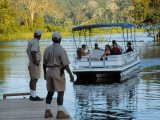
(55, 61)
(34, 56)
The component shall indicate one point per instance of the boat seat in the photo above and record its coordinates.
(96, 54)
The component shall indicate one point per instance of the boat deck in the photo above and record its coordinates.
(24, 109)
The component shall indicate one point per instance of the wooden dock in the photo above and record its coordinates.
(24, 109)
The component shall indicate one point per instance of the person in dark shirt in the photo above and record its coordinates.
(115, 50)
(129, 47)
(119, 47)
(96, 46)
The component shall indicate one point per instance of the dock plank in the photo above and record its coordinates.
(24, 109)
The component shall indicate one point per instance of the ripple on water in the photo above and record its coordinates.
(102, 102)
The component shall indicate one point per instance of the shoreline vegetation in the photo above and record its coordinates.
(19, 18)
(25, 36)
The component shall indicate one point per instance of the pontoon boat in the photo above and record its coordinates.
(93, 65)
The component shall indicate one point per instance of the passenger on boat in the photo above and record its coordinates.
(79, 53)
(96, 46)
(107, 51)
(82, 52)
(115, 50)
(129, 47)
(120, 48)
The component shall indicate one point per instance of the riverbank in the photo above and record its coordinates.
(47, 35)
(28, 36)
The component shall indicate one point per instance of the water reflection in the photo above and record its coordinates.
(4, 55)
(93, 102)
(13, 67)
(151, 73)
(105, 102)
(150, 52)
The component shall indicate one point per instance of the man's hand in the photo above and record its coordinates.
(69, 72)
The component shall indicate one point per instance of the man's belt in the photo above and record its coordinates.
(53, 67)
(61, 69)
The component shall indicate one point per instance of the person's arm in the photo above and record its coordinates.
(83, 53)
(34, 51)
(44, 64)
(44, 70)
(35, 61)
(103, 54)
(67, 68)
(120, 48)
(65, 62)
(131, 49)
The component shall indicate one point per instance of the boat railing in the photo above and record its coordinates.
(106, 62)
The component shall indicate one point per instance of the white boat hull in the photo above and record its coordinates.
(115, 67)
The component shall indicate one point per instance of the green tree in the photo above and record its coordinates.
(141, 8)
(32, 9)
(146, 11)
(7, 20)
(153, 16)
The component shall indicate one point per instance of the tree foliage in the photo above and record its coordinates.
(7, 18)
(28, 15)
(146, 11)
(153, 15)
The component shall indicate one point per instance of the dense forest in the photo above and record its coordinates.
(24, 16)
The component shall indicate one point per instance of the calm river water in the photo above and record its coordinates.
(136, 99)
